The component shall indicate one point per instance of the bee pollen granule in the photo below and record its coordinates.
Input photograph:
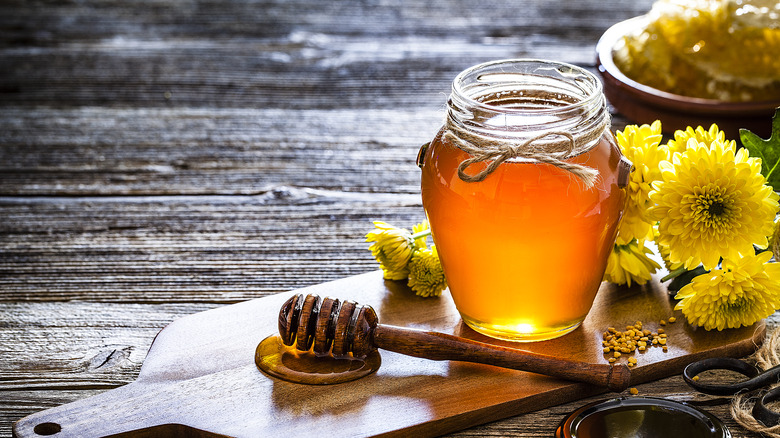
(634, 337)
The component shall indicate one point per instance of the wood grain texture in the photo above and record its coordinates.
(159, 158)
(182, 151)
(188, 249)
(277, 53)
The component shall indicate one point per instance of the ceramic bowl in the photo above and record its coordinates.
(642, 104)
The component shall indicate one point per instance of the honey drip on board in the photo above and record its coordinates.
(289, 364)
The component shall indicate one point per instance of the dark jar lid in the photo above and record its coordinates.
(640, 417)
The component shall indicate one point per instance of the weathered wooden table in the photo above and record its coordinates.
(161, 158)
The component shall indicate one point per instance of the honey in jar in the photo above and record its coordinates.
(521, 189)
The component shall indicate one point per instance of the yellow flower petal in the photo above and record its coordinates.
(426, 276)
(680, 141)
(774, 242)
(420, 242)
(641, 145)
(392, 247)
(711, 205)
(630, 264)
(741, 293)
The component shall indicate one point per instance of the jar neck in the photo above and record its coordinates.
(514, 100)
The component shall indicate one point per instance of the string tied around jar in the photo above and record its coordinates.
(486, 149)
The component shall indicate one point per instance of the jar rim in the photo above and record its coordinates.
(533, 109)
(589, 96)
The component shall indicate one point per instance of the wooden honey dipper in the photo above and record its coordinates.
(338, 328)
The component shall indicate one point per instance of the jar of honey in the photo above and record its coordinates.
(522, 187)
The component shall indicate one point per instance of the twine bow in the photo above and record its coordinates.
(486, 149)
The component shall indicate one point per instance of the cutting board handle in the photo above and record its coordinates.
(130, 411)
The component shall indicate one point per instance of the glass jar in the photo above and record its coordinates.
(522, 189)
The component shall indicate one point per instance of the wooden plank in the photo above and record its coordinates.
(61, 346)
(55, 353)
(279, 54)
(188, 249)
(200, 372)
(94, 151)
(343, 74)
(198, 151)
(79, 21)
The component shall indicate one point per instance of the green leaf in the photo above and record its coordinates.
(686, 277)
(768, 150)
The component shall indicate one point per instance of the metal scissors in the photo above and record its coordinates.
(756, 379)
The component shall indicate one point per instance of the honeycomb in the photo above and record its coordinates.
(727, 50)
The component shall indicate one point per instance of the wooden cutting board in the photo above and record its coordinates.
(200, 379)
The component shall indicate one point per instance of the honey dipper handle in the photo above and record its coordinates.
(440, 346)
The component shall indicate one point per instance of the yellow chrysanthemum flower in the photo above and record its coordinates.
(663, 250)
(740, 293)
(420, 233)
(392, 248)
(712, 203)
(426, 276)
(681, 138)
(630, 263)
(641, 145)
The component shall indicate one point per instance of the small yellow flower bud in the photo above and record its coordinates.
(426, 276)
(392, 247)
